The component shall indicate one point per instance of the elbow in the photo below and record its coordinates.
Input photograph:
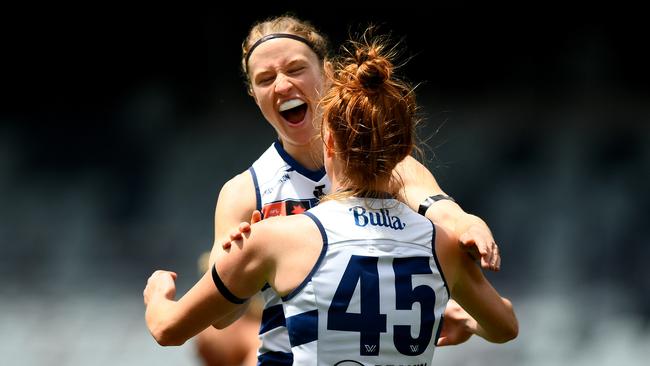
(507, 333)
(514, 331)
(507, 330)
(167, 338)
(510, 330)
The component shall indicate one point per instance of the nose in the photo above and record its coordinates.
(282, 84)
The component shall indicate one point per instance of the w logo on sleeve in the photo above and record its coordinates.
(371, 348)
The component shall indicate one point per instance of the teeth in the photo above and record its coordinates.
(293, 103)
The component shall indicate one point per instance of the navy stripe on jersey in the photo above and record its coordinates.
(223, 289)
(318, 262)
(272, 317)
(442, 320)
(258, 196)
(435, 258)
(303, 328)
(314, 175)
(275, 358)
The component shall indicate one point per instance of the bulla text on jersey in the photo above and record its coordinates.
(363, 217)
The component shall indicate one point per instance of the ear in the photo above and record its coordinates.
(328, 69)
(252, 94)
(329, 143)
(328, 66)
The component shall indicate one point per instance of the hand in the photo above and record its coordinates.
(244, 227)
(455, 326)
(160, 284)
(479, 243)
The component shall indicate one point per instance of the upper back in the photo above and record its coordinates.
(359, 302)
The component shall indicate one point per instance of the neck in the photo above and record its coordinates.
(309, 156)
(339, 181)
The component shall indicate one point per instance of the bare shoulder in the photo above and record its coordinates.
(237, 198)
(289, 227)
(239, 185)
(288, 245)
(236, 203)
(287, 232)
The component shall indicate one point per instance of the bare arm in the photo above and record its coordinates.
(235, 205)
(493, 316)
(278, 251)
(418, 184)
(172, 322)
(241, 272)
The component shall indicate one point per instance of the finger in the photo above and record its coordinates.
(482, 245)
(235, 235)
(226, 245)
(466, 239)
(492, 258)
(488, 258)
(498, 258)
(472, 251)
(485, 263)
(475, 243)
(443, 341)
(174, 275)
(244, 227)
(486, 252)
(256, 216)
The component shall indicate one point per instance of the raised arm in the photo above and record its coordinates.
(493, 316)
(419, 184)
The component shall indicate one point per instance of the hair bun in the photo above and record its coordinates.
(372, 70)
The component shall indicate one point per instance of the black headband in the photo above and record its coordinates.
(273, 36)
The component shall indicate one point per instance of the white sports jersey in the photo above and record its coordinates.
(283, 187)
(376, 295)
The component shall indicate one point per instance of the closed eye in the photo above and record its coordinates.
(265, 80)
(296, 70)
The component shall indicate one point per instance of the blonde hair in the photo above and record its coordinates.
(284, 24)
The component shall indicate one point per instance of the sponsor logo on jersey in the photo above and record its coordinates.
(371, 348)
(286, 208)
(284, 178)
(363, 217)
(318, 191)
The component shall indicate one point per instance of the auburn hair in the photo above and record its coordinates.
(370, 113)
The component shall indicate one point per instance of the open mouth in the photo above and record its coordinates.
(293, 110)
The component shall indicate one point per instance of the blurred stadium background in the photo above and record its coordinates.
(119, 125)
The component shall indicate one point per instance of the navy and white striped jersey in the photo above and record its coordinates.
(376, 296)
(283, 187)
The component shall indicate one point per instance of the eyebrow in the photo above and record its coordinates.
(291, 63)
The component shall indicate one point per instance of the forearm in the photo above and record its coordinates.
(494, 316)
(172, 323)
(452, 216)
(160, 319)
(232, 317)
